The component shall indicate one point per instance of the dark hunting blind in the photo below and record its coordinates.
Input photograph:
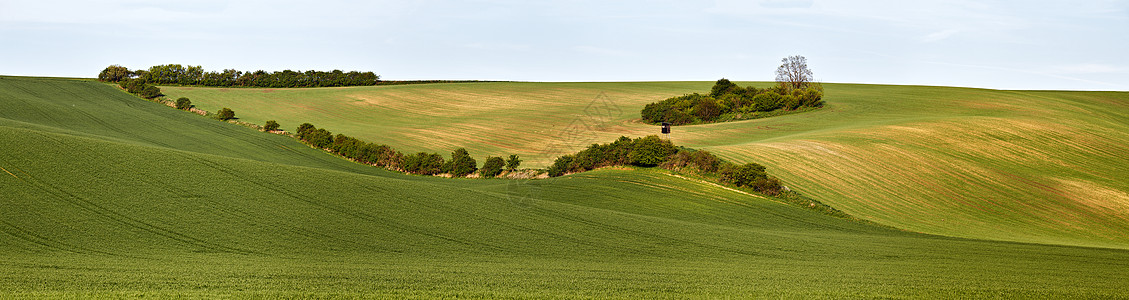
(666, 128)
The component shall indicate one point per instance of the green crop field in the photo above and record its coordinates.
(1027, 166)
(105, 195)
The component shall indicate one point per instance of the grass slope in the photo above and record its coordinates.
(538, 121)
(214, 210)
(1030, 166)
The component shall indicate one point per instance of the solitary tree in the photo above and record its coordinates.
(794, 73)
(183, 103)
(225, 114)
(270, 126)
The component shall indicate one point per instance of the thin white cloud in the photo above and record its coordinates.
(1087, 69)
(496, 46)
(940, 35)
(599, 51)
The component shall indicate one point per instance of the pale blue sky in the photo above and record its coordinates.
(993, 44)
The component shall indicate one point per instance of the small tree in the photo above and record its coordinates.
(115, 73)
(561, 166)
(461, 163)
(793, 73)
(271, 126)
(183, 103)
(492, 167)
(513, 162)
(225, 114)
(304, 130)
(723, 86)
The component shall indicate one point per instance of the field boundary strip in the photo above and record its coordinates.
(9, 173)
(718, 185)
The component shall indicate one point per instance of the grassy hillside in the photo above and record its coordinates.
(538, 121)
(1044, 167)
(125, 198)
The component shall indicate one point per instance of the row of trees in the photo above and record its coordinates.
(794, 89)
(460, 164)
(646, 151)
(651, 151)
(195, 75)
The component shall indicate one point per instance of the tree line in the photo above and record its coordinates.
(795, 89)
(195, 75)
(649, 151)
(652, 151)
(461, 164)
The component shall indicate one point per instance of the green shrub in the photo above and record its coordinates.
(183, 103)
(562, 165)
(150, 92)
(751, 175)
(650, 151)
(271, 125)
(304, 129)
(701, 161)
(423, 163)
(225, 114)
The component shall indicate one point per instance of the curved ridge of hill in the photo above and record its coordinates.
(1025, 166)
(106, 195)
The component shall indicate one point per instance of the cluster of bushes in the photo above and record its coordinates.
(646, 151)
(195, 75)
(728, 99)
(139, 88)
(460, 164)
(750, 175)
(652, 151)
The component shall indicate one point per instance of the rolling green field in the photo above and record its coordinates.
(1026, 166)
(107, 195)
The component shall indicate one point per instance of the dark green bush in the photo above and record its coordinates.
(183, 103)
(751, 175)
(650, 151)
(461, 163)
(686, 159)
(225, 114)
(492, 166)
(271, 125)
(150, 92)
(423, 163)
(562, 165)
